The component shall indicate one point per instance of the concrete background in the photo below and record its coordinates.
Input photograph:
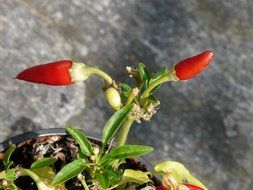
(205, 123)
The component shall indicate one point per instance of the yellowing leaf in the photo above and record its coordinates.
(47, 175)
(179, 172)
(134, 176)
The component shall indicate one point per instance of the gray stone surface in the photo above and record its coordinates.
(205, 123)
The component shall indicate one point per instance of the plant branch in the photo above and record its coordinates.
(102, 74)
(40, 184)
(124, 131)
(166, 78)
(82, 179)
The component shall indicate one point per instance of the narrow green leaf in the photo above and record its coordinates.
(161, 72)
(126, 151)
(80, 139)
(154, 90)
(152, 99)
(126, 87)
(114, 176)
(134, 176)
(10, 175)
(145, 77)
(42, 163)
(6, 158)
(103, 179)
(126, 94)
(178, 171)
(69, 171)
(114, 124)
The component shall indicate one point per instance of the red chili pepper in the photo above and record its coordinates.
(60, 73)
(192, 66)
(189, 186)
(193, 187)
(55, 73)
(160, 188)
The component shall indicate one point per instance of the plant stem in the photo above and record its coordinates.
(168, 77)
(40, 184)
(124, 131)
(102, 74)
(82, 179)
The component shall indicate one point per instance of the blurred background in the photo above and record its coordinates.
(205, 123)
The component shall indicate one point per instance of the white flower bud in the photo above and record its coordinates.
(95, 151)
(93, 158)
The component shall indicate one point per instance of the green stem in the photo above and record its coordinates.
(82, 179)
(40, 184)
(102, 74)
(124, 131)
(166, 78)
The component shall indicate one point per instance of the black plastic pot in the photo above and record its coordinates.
(56, 132)
(35, 134)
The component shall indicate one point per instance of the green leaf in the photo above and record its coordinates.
(10, 175)
(126, 87)
(114, 176)
(80, 139)
(125, 94)
(178, 171)
(134, 176)
(7, 155)
(152, 99)
(114, 124)
(42, 163)
(103, 179)
(69, 171)
(47, 175)
(154, 90)
(144, 73)
(126, 151)
(81, 155)
(192, 180)
(160, 73)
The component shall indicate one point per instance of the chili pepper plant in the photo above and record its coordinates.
(102, 166)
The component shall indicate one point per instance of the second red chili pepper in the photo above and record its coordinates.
(192, 187)
(192, 66)
(189, 186)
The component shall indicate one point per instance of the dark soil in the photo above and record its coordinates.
(65, 149)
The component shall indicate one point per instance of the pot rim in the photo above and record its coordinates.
(35, 134)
